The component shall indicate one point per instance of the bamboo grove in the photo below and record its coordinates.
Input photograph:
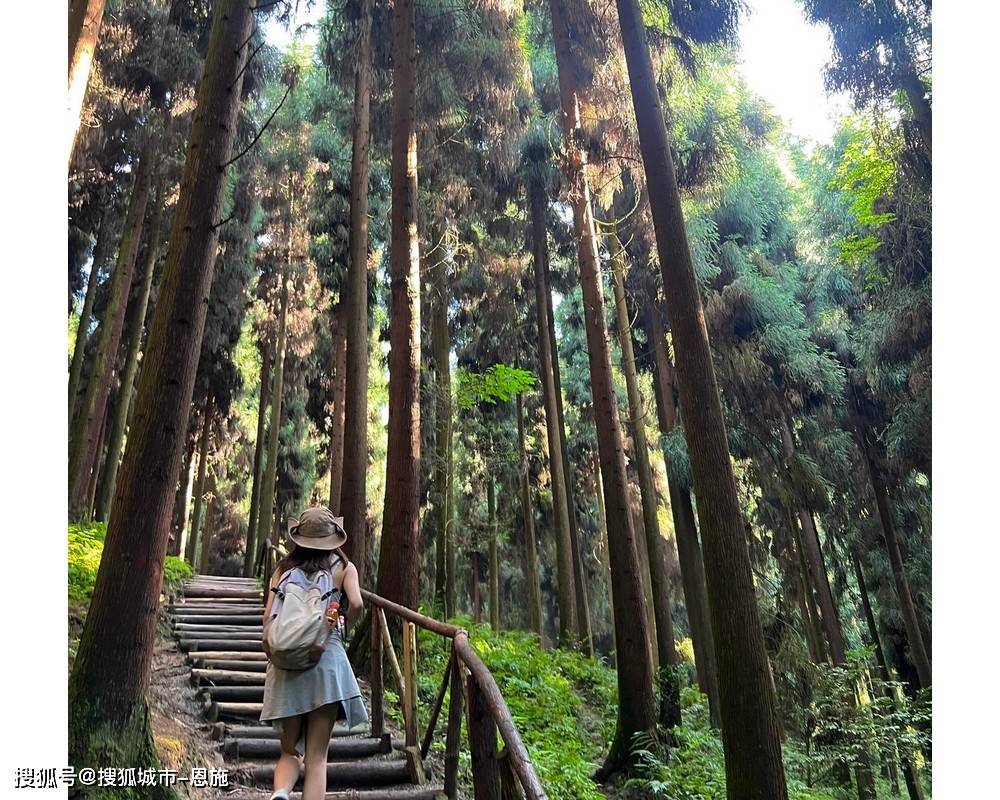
(555, 312)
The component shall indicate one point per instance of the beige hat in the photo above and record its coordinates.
(317, 529)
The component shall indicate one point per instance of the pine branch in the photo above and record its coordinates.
(253, 141)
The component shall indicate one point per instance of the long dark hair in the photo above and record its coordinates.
(309, 560)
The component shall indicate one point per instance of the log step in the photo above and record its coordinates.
(215, 711)
(235, 694)
(222, 592)
(221, 731)
(187, 630)
(363, 773)
(407, 792)
(226, 677)
(218, 619)
(242, 645)
(217, 635)
(225, 655)
(230, 665)
(340, 749)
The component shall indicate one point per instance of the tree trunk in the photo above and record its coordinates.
(916, 96)
(101, 247)
(353, 505)
(399, 559)
(750, 732)
(442, 430)
(636, 712)
(910, 773)
(811, 619)
(108, 717)
(812, 551)
(131, 367)
(565, 573)
(688, 546)
(265, 523)
(85, 17)
(191, 550)
(919, 656)
(477, 608)
(182, 500)
(85, 443)
(530, 549)
(337, 427)
(584, 629)
(253, 543)
(491, 505)
(666, 652)
(209, 529)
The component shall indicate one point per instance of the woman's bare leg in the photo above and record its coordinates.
(286, 771)
(318, 732)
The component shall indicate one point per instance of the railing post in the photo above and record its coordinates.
(377, 679)
(483, 744)
(510, 786)
(410, 683)
(453, 738)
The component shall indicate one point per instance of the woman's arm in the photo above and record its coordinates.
(352, 588)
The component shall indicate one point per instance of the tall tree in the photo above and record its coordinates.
(337, 429)
(85, 17)
(85, 441)
(123, 409)
(191, 545)
(568, 620)
(443, 459)
(253, 544)
(670, 710)
(635, 679)
(530, 547)
(353, 498)
(750, 729)
(109, 722)
(265, 518)
(399, 557)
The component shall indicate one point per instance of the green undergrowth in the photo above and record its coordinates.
(84, 548)
(565, 708)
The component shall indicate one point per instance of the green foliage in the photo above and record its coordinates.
(499, 383)
(85, 546)
(563, 704)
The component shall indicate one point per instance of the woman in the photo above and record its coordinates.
(304, 704)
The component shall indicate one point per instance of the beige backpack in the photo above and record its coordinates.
(298, 625)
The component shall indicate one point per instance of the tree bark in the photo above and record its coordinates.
(102, 245)
(399, 558)
(491, 506)
(565, 573)
(353, 505)
(253, 543)
(916, 96)
(265, 522)
(131, 367)
(442, 430)
(636, 711)
(85, 443)
(829, 616)
(685, 528)
(585, 632)
(182, 499)
(209, 530)
(917, 651)
(666, 652)
(750, 731)
(109, 721)
(530, 549)
(85, 17)
(337, 429)
(191, 550)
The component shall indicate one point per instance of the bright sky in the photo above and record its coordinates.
(782, 56)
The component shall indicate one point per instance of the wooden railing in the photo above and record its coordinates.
(506, 774)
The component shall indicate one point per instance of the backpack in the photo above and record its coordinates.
(298, 625)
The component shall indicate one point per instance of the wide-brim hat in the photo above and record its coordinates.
(318, 529)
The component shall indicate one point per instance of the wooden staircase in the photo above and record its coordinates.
(217, 622)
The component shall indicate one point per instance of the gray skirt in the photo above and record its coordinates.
(291, 693)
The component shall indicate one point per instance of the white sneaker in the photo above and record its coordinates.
(280, 794)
